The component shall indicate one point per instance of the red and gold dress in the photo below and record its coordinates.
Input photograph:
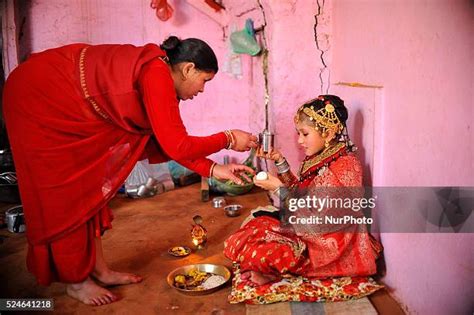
(312, 251)
(78, 119)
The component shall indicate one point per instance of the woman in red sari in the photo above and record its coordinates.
(265, 249)
(79, 117)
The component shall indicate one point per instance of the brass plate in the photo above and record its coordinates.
(219, 270)
(179, 251)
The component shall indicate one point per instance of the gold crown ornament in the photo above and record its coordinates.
(324, 118)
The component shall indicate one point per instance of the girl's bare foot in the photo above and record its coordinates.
(88, 292)
(110, 277)
(257, 277)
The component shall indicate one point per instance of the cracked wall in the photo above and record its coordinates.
(406, 78)
(322, 40)
(228, 102)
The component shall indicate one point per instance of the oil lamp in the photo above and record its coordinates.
(198, 233)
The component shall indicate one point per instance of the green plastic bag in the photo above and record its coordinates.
(244, 42)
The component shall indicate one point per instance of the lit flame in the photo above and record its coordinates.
(195, 241)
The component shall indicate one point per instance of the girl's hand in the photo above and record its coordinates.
(233, 172)
(274, 155)
(271, 183)
(244, 141)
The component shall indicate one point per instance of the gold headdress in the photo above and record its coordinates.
(324, 118)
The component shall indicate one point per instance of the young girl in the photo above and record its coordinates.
(265, 249)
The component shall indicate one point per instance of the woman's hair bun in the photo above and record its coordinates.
(171, 43)
(190, 50)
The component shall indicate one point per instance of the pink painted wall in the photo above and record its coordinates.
(426, 69)
(415, 130)
(294, 64)
(224, 105)
(421, 52)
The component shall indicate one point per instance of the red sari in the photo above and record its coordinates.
(79, 117)
(348, 250)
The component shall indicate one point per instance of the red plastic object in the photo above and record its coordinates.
(163, 10)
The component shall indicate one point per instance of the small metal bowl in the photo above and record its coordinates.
(214, 269)
(218, 202)
(232, 210)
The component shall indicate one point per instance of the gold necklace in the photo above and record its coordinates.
(322, 158)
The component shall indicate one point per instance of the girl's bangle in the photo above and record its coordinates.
(281, 162)
(283, 166)
(281, 193)
(276, 191)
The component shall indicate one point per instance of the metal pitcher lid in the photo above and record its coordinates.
(14, 211)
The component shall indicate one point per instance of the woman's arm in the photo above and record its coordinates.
(201, 166)
(208, 168)
(159, 97)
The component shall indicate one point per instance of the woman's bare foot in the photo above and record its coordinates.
(110, 277)
(88, 292)
(107, 276)
(257, 277)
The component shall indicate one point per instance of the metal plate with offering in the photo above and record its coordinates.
(179, 251)
(199, 279)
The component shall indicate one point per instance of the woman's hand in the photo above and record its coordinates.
(274, 155)
(233, 172)
(243, 141)
(271, 183)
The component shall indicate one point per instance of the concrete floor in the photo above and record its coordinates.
(143, 231)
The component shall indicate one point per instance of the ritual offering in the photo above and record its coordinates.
(198, 232)
(179, 251)
(231, 188)
(262, 176)
(198, 279)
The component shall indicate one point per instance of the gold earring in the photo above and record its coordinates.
(326, 143)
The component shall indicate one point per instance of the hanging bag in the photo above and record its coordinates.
(244, 42)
